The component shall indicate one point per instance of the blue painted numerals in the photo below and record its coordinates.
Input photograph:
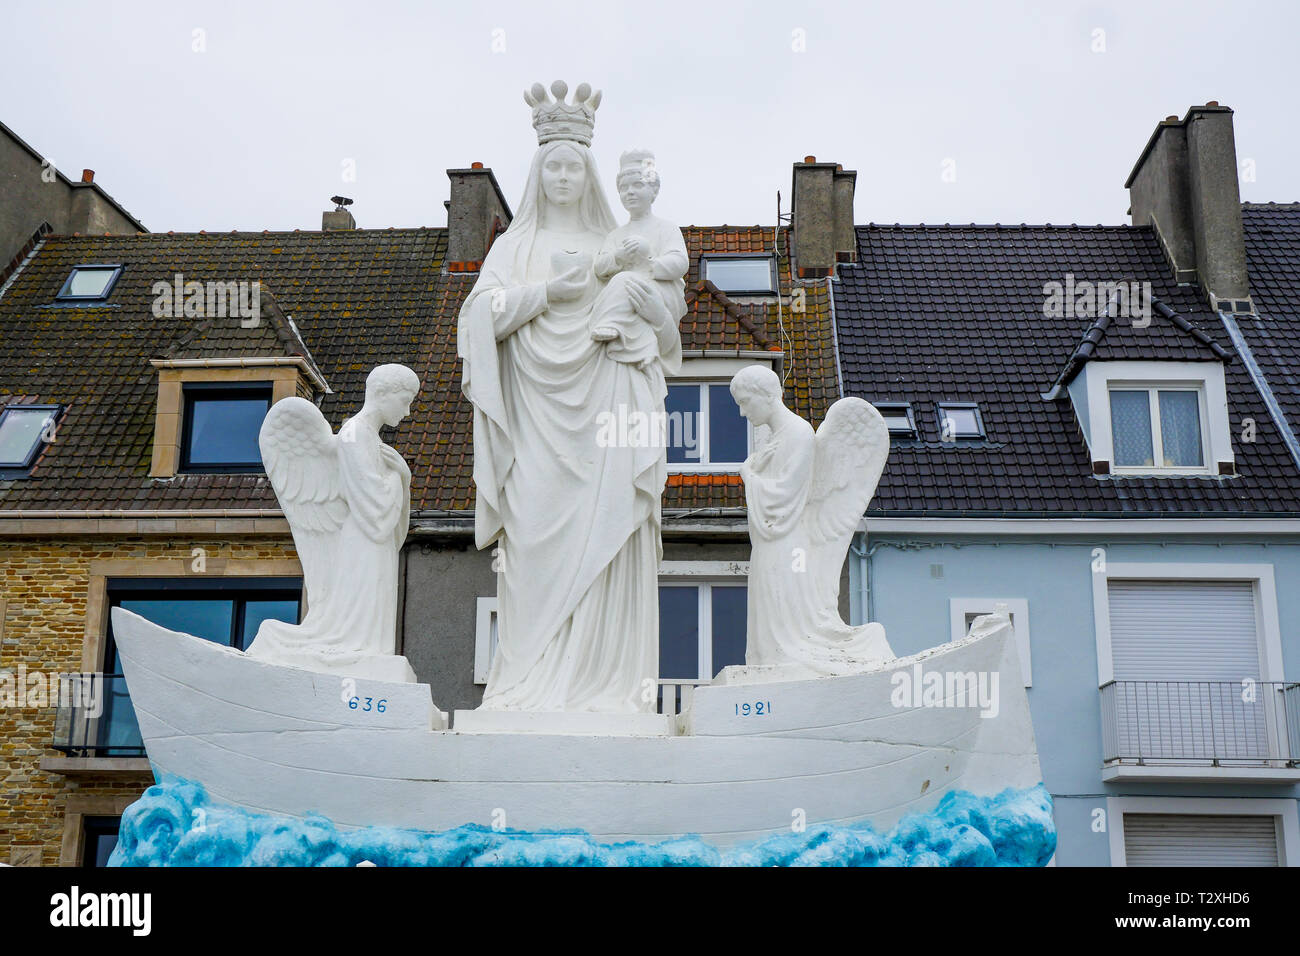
(758, 708)
(368, 703)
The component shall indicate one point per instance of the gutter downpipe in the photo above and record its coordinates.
(863, 570)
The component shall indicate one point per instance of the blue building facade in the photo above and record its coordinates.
(1096, 427)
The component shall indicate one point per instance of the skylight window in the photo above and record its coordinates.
(741, 275)
(959, 420)
(898, 416)
(24, 431)
(89, 283)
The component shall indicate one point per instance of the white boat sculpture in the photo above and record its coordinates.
(572, 320)
(731, 769)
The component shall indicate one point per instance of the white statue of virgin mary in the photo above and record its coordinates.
(576, 523)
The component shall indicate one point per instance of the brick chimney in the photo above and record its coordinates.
(822, 217)
(1185, 186)
(476, 213)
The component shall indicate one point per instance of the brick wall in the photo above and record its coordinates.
(44, 584)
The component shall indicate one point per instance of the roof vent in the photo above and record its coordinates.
(339, 219)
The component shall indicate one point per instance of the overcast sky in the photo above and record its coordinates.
(249, 115)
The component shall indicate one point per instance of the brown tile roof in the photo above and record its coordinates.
(359, 298)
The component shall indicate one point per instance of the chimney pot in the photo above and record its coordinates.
(475, 165)
(810, 159)
(1212, 103)
(87, 175)
(1171, 119)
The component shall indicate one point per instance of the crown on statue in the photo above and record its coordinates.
(556, 119)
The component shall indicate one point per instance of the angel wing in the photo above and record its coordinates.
(849, 454)
(300, 453)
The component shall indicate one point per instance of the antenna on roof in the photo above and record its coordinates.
(339, 202)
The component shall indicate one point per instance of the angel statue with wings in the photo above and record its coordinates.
(347, 498)
(806, 492)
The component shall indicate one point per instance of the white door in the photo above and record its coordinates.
(1180, 651)
(1199, 839)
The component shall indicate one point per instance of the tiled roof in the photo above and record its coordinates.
(799, 324)
(956, 313)
(359, 298)
(1273, 259)
(1116, 338)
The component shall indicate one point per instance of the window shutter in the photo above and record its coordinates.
(1183, 630)
(1199, 839)
(1166, 635)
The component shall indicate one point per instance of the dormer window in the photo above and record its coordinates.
(210, 412)
(89, 283)
(741, 274)
(1154, 418)
(222, 423)
(960, 420)
(898, 416)
(24, 431)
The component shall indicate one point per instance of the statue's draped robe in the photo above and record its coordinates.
(577, 524)
(793, 602)
(349, 575)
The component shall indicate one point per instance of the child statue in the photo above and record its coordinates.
(647, 246)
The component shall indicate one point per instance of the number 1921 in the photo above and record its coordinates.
(759, 708)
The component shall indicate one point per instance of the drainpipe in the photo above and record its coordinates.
(863, 564)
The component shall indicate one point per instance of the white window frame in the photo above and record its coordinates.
(1270, 652)
(1207, 378)
(704, 575)
(1153, 390)
(1284, 811)
(959, 607)
(702, 466)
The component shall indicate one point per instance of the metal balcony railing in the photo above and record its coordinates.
(1211, 723)
(103, 726)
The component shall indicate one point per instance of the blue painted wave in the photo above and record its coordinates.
(175, 824)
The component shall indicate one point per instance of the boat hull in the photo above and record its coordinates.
(861, 747)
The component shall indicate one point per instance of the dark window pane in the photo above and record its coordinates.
(100, 840)
(683, 408)
(740, 275)
(728, 430)
(729, 608)
(207, 618)
(679, 633)
(118, 729)
(223, 431)
(255, 612)
(1130, 427)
